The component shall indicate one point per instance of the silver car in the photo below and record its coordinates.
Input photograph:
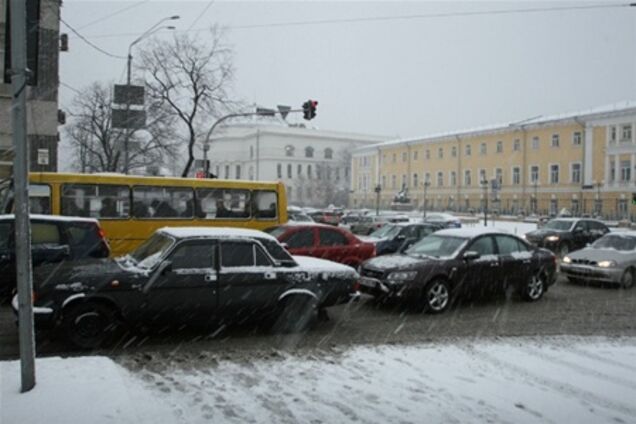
(610, 259)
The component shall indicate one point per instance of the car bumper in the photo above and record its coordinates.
(383, 288)
(43, 317)
(592, 273)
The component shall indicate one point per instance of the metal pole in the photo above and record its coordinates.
(128, 77)
(485, 203)
(424, 202)
(20, 177)
(377, 202)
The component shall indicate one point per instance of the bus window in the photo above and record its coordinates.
(40, 198)
(162, 202)
(97, 201)
(265, 204)
(223, 203)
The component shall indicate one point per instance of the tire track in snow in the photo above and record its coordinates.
(557, 386)
(606, 361)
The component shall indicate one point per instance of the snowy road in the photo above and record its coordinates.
(514, 380)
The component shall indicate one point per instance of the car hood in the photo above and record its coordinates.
(394, 261)
(319, 266)
(597, 255)
(87, 271)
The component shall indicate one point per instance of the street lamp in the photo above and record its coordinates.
(426, 184)
(146, 34)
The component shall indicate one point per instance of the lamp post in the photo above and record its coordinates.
(146, 34)
(378, 190)
(484, 183)
(426, 184)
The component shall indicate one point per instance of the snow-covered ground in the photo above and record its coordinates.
(518, 380)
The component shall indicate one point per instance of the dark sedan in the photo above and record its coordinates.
(460, 262)
(189, 276)
(563, 235)
(398, 237)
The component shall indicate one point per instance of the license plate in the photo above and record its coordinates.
(368, 282)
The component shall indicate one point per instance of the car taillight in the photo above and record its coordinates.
(356, 286)
(101, 233)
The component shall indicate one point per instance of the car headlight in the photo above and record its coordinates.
(552, 238)
(402, 275)
(607, 264)
(567, 260)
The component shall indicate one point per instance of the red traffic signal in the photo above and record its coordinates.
(309, 109)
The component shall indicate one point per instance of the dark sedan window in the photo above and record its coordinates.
(44, 233)
(558, 224)
(234, 254)
(194, 256)
(582, 226)
(302, 238)
(483, 246)
(508, 245)
(276, 250)
(331, 238)
(437, 246)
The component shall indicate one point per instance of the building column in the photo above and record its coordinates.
(588, 164)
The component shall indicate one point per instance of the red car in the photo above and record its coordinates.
(324, 241)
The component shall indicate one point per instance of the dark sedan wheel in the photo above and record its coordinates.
(535, 287)
(297, 313)
(436, 297)
(627, 280)
(90, 325)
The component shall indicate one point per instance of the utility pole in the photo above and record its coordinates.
(485, 184)
(426, 184)
(378, 189)
(19, 73)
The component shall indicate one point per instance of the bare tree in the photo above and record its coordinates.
(98, 147)
(190, 79)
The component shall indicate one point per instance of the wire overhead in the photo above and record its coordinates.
(96, 47)
(115, 13)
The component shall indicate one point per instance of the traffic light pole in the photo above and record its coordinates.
(206, 144)
(20, 177)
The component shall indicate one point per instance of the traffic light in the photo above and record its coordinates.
(309, 109)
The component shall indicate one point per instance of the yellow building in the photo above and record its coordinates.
(583, 161)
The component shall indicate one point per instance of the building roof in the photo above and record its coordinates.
(586, 114)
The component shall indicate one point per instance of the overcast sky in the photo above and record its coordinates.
(397, 77)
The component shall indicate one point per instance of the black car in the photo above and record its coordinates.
(53, 239)
(398, 237)
(189, 276)
(459, 262)
(563, 235)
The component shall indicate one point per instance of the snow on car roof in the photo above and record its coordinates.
(184, 232)
(470, 232)
(57, 218)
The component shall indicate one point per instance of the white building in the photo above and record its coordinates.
(315, 165)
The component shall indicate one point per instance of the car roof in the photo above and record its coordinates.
(301, 224)
(216, 232)
(55, 218)
(471, 232)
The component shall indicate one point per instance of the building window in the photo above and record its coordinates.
(393, 182)
(394, 158)
(415, 180)
(453, 178)
(289, 150)
(289, 170)
(554, 174)
(318, 173)
(238, 172)
(415, 155)
(612, 175)
(534, 174)
(403, 181)
(482, 176)
(328, 153)
(308, 171)
(227, 171)
(309, 152)
(535, 143)
(279, 171)
(482, 149)
(251, 152)
(516, 175)
(516, 145)
(428, 154)
(454, 152)
(384, 158)
(440, 179)
(499, 176)
(427, 178)
(555, 140)
(612, 136)
(299, 170)
(289, 192)
(404, 156)
(626, 168)
(500, 147)
(626, 133)
(440, 153)
(467, 150)
(337, 174)
(467, 179)
(576, 138)
(576, 173)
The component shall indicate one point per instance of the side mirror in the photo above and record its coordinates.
(163, 268)
(471, 255)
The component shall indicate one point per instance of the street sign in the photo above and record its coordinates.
(43, 156)
(129, 95)
(284, 111)
(132, 119)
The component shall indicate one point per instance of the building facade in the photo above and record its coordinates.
(315, 165)
(43, 18)
(584, 162)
